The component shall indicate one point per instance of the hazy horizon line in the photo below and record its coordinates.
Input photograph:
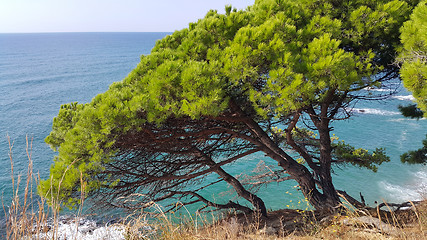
(88, 32)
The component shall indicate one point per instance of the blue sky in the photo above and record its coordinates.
(24, 16)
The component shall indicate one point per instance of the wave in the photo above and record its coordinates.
(415, 190)
(86, 229)
(374, 111)
(379, 89)
(404, 98)
(403, 119)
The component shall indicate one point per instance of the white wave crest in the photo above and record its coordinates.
(374, 111)
(404, 98)
(415, 190)
(397, 193)
(85, 229)
(403, 119)
(378, 89)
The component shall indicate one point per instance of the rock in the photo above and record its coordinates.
(268, 231)
(371, 222)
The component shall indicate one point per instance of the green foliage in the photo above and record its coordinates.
(62, 123)
(414, 55)
(359, 157)
(272, 59)
(411, 111)
(417, 156)
(414, 72)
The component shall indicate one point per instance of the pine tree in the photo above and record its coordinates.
(269, 79)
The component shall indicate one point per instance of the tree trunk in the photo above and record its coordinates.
(297, 171)
(329, 200)
(332, 199)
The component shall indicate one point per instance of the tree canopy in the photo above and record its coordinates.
(414, 55)
(414, 72)
(267, 79)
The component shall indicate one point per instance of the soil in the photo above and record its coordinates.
(302, 223)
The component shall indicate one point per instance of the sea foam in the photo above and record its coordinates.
(86, 229)
(374, 111)
(379, 89)
(414, 190)
(404, 98)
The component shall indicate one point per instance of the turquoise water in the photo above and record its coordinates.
(39, 72)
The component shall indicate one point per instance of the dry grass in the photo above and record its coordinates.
(25, 215)
(293, 224)
(28, 216)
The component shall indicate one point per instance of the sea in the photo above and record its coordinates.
(41, 71)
